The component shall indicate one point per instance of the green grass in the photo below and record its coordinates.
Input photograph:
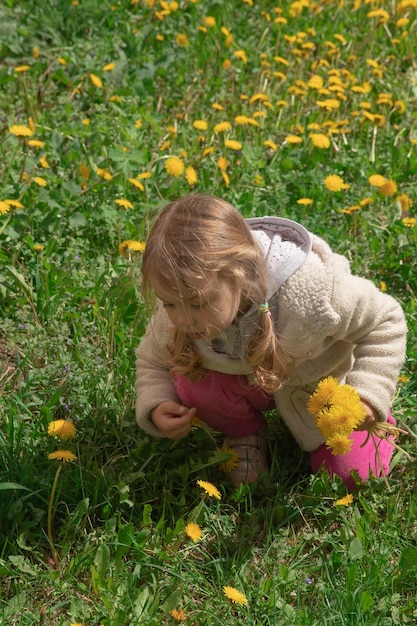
(72, 312)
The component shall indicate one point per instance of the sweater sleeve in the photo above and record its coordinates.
(153, 383)
(374, 323)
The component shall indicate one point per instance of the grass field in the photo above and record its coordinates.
(306, 110)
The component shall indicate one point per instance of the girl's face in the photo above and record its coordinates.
(203, 311)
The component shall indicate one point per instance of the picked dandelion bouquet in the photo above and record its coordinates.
(337, 410)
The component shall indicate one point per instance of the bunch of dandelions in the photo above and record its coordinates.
(337, 410)
(63, 430)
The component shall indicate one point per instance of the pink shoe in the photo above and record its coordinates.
(252, 462)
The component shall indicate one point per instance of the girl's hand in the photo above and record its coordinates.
(370, 418)
(173, 420)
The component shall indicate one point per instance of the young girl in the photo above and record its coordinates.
(252, 314)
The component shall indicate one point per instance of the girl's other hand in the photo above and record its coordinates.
(173, 420)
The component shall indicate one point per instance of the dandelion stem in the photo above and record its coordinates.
(50, 507)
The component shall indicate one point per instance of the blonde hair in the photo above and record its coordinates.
(205, 236)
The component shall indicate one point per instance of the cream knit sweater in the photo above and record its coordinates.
(333, 323)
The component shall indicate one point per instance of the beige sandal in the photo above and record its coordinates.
(252, 462)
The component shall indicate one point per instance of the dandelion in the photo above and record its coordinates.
(20, 69)
(339, 443)
(222, 127)
(138, 123)
(96, 81)
(209, 488)
(223, 164)
(235, 595)
(132, 246)
(335, 183)
(124, 203)
(177, 614)
(109, 67)
(345, 501)
(62, 455)
(232, 462)
(4, 207)
(200, 124)
(233, 144)
(404, 201)
(36, 143)
(293, 139)
(389, 188)
(40, 181)
(241, 54)
(209, 21)
(305, 201)
(322, 395)
(182, 39)
(38, 247)
(63, 429)
(191, 175)
(376, 180)
(319, 140)
(144, 175)
(136, 183)
(105, 174)
(20, 131)
(44, 162)
(174, 166)
(410, 222)
(271, 145)
(193, 531)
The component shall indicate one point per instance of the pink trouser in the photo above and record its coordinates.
(230, 405)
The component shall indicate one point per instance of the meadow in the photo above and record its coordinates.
(108, 110)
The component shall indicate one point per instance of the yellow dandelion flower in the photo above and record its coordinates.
(130, 245)
(63, 429)
(383, 286)
(334, 182)
(208, 151)
(44, 162)
(233, 144)
(15, 203)
(144, 175)
(345, 501)
(209, 21)
(40, 181)
(226, 178)
(217, 106)
(96, 81)
(62, 455)
(209, 488)
(410, 222)
(365, 201)
(235, 595)
(223, 164)
(124, 203)
(20, 69)
(404, 201)
(319, 140)
(177, 614)
(241, 54)
(182, 39)
(200, 124)
(109, 67)
(350, 209)
(339, 444)
(35, 52)
(293, 139)
(193, 531)
(136, 183)
(38, 247)
(191, 175)
(376, 180)
(103, 173)
(174, 166)
(325, 423)
(222, 127)
(323, 394)
(271, 145)
(35, 143)
(347, 417)
(138, 123)
(389, 188)
(305, 201)
(232, 462)
(20, 131)
(4, 207)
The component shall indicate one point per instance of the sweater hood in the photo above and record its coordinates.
(285, 245)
